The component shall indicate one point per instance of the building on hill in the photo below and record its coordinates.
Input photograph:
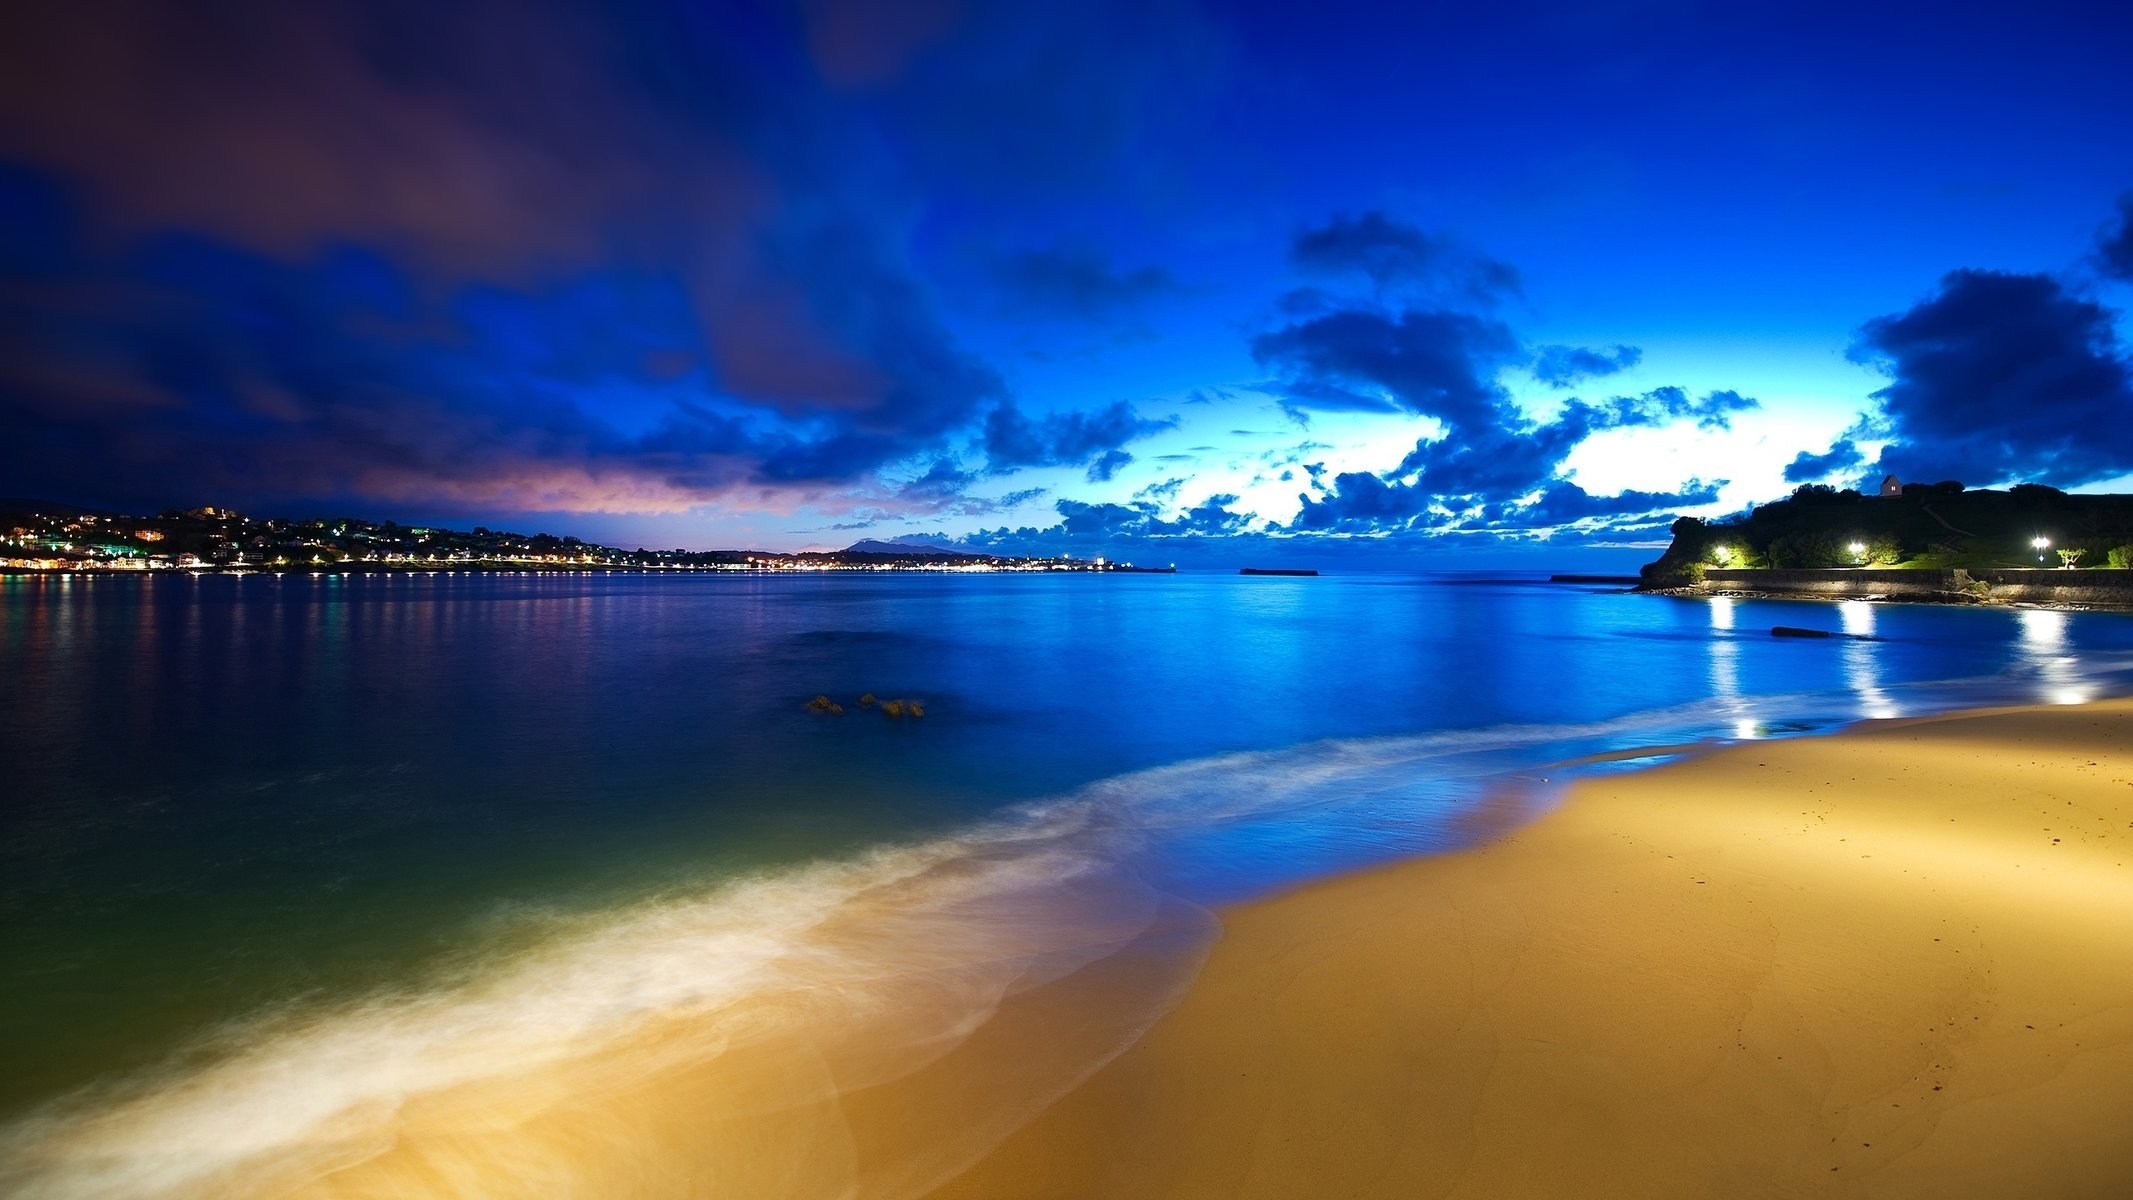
(1891, 486)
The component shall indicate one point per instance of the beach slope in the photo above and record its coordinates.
(1893, 962)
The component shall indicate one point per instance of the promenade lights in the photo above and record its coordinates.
(2040, 543)
(1858, 552)
(1722, 555)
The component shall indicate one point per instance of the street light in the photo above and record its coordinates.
(2040, 543)
(1858, 550)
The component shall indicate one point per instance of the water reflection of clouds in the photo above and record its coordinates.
(2043, 647)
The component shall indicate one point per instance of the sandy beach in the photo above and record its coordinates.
(1893, 962)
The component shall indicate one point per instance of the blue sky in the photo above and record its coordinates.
(1354, 285)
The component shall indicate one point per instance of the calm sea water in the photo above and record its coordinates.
(230, 799)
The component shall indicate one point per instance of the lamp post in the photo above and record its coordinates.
(2040, 543)
(1858, 552)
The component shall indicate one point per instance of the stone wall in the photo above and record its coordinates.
(2031, 586)
(2038, 586)
(1853, 581)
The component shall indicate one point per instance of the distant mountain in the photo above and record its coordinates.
(900, 546)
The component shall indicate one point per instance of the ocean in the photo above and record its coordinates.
(381, 884)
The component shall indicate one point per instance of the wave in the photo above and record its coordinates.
(830, 1030)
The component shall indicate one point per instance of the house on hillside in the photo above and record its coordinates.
(1891, 486)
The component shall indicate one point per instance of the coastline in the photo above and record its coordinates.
(1886, 962)
(1987, 602)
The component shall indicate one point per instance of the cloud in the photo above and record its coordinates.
(1514, 454)
(1079, 283)
(455, 256)
(1390, 253)
(1012, 439)
(1568, 366)
(1564, 503)
(1162, 492)
(2114, 243)
(1433, 362)
(624, 257)
(1086, 529)
(1107, 464)
(1999, 377)
(1359, 501)
(1496, 468)
(1843, 455)
(1486, 454)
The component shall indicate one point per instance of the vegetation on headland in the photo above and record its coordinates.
(1935, 526)
(50, 537)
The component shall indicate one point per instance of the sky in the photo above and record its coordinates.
(1341, 285)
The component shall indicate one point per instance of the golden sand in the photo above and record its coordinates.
(1894, 962)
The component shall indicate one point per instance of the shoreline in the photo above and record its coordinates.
(1936, 601)
(1663, 986)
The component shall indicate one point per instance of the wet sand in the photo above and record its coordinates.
(1894, 962)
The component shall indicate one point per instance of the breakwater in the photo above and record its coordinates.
(2104, 586)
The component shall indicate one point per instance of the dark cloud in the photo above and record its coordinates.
(1391, 253)
(1495, 468)
(1012, 439)
(1085, 530)
(1564, 503)
(1433, 362)
(622, 257)
(2114, 244)
(944, 477)
(1515, 455)
(1806, 467)
(198, 368)
(1568, 366)
(1999, 377)
(1162, 492)
(943, 491)
(1079, 283)
(1443, 365)
(1108, 464)
(1359, 501)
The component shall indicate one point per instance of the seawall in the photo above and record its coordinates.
(2104, 586)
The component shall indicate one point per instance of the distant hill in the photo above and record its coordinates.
(874, 546)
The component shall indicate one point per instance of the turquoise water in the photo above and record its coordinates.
(234, 802)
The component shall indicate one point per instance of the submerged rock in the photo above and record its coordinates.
(824, 706)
